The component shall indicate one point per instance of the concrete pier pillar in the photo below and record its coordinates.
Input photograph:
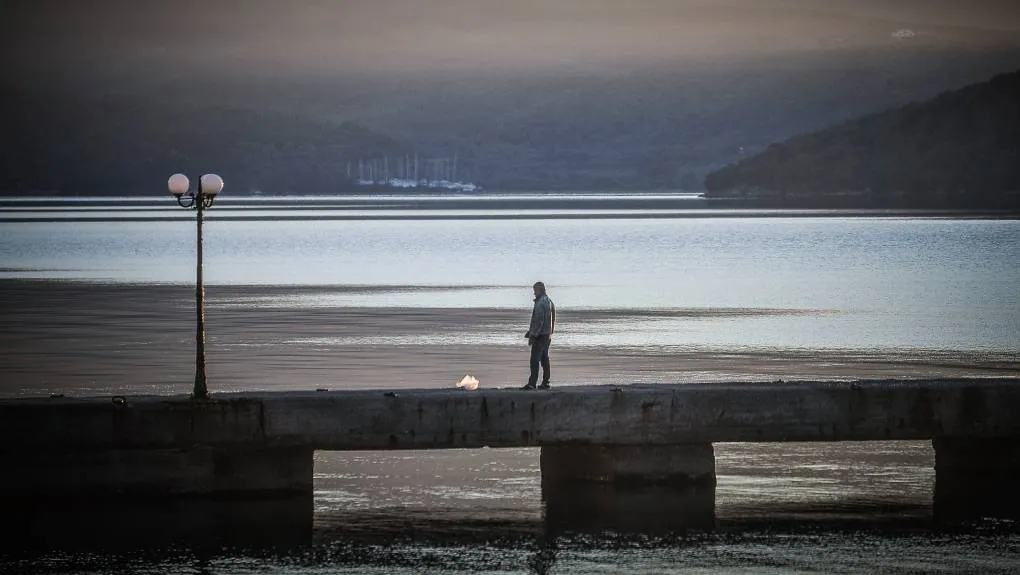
(679, 465)
(625, 488)
(976, 478)
(249, 472)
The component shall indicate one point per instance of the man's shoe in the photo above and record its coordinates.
(545, 385)
(529, 386)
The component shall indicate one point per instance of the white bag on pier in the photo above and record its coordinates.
(468, 382)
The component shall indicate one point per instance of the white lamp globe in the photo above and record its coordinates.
(178, 184)
(211, 184)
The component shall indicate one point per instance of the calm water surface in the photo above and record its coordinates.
(824, 282)
(804, 281)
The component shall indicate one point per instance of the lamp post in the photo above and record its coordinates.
(199, 200)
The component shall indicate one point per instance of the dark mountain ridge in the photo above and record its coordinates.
(126, 146)
(662, 126)
(960, 149)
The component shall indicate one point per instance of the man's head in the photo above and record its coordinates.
(539, 288)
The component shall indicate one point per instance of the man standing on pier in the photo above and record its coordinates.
(543, 323)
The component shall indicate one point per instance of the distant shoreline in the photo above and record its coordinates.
(451, 207)
(496, 217)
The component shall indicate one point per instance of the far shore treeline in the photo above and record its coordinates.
(960, 150)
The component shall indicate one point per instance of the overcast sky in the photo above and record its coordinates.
(387, 36)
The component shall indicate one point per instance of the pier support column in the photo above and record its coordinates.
(629, 487)
(247, 472)
(682, 465)
(976, 478)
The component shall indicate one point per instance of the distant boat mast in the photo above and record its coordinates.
(416, 173)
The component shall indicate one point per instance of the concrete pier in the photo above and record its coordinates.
(240, 472)
(676, 465)
(450, 418)
(258, 444)
(629, 487)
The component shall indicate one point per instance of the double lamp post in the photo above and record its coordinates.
(199, 199)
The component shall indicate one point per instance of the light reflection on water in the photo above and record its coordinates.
(754, 479)
(861, 282)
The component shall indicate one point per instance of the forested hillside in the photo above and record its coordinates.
(960, 149)
(54, 144)
(654, 128)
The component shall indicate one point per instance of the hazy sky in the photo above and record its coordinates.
(331, 36)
